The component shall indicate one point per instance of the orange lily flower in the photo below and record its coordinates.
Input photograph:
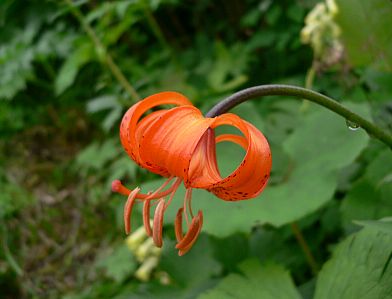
(180, 144)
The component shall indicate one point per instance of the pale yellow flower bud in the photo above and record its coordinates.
(145, 270)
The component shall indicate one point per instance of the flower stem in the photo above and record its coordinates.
(303, 93)
(101, 50)
(305, 248)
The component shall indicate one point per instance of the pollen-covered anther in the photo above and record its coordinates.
(158, 223)
(191, 236)
(128, 209)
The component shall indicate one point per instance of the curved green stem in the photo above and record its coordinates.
(303, 93)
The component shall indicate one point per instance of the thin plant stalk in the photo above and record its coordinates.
(101, 50)
(305, 248)
(302, 93)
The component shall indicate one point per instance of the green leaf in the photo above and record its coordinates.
(200, 262)
(16, 59)
(72, 65)
(372, 44)
(383, 225)
(370, 196)
(95, 156)
(257, 281)
(102, 103)
(106, 102)
(119, 264)
(359, 268)
(229, 62)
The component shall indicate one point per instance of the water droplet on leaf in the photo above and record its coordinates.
(352, 125)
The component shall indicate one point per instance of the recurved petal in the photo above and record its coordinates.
(203, 170)
(171, 140)
(129, 123)
(251, 176)
(240, 140)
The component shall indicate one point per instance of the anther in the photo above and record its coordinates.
(146, 216)
(178, 225)
(192, 232)
(186, 247)
(128, 209)
(158, 223)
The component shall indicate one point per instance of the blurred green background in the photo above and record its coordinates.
(70, 69)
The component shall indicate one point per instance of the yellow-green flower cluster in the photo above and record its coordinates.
(321, 31)
(146, 253)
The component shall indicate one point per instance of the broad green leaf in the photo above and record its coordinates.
(199, 263)
(370, 196)
(359, 268)
(119, 264)
(256, 281)
(363, 24)
(383, 225)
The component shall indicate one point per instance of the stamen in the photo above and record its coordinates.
(118, 187)
(128, 209)
(188, 196)
(188, 246)
(185, 210)
(158, 223)
(178, 225)
(153, 195)
(189, 201)
(146, 216)
(175, 188)
(192, 232)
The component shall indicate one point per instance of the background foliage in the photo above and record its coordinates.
(62, 95)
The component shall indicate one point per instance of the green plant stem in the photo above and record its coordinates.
(305, 248)
(7, 253)
(101, 50)
(302, 93)
(154, 25)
